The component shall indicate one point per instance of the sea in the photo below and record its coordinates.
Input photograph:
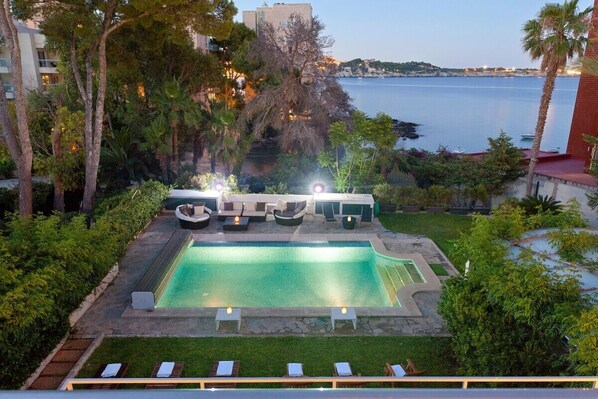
(462, 112)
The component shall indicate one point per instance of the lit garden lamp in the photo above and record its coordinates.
(318, 188)
(219, 186)
(236, 219)
(229, 309)
(343, 310)
(349, 219)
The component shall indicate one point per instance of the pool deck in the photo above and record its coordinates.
(112, 315)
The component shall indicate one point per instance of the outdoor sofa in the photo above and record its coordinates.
(290, 213)
(193, 216)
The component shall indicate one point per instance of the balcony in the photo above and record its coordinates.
(47, 66)
(10, 91)
(4, 65)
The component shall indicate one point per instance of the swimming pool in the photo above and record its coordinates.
(286, 274)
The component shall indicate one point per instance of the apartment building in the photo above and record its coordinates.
(39, 64)
(278, 15)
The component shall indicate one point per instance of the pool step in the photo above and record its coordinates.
(388, 284)
(414, 273)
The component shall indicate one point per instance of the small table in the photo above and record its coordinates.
(235, 315)
(231, 225)
(349, 224)
(337, 314)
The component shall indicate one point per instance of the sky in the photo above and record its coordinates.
(445, 33)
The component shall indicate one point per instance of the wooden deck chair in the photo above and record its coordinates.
(295, 370)
(160, 369)
(228, 368)
(120, 372)
(398, 370)
(344, 370)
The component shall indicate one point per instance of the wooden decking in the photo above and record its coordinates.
(159, 273)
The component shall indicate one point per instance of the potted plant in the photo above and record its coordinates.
(412, 199)
(385, 196)
(480, 199)
(460, 204)
(437, 198)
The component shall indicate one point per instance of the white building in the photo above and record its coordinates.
(39, 65)
(278, 15)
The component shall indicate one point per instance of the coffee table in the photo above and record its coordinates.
(230, 224)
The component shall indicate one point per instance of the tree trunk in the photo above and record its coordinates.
(175, 149)
(18, 145)
(541, 123)
(57, 153)
(163, 159)
(197, 149)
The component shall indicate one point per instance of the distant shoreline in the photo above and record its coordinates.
(453, 76)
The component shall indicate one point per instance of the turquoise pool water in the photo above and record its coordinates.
(286, 275)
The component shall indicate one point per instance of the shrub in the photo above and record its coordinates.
(208, 181)
(49, 264)
(385, 193)
(534, 204)
(438, 196)
(7, 165)
(8, 200)
(572, 246)
(280, 188)
(401, 179)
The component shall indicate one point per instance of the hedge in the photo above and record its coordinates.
(48, 266)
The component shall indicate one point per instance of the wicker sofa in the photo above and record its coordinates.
(290, 213)
(190, 220)
(255, 211)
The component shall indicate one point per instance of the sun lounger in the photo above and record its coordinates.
(366, 215)
(295, 370)
(328, 212)
(224, 368)
(166, 370)
(343, 369)
(111, 370)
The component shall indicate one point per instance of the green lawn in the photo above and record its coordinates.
(441, 228)
(263, 357)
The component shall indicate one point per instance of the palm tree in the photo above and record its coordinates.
(226, 144)
(555, 35)
(179, 110)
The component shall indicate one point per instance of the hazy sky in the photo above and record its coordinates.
(446, 33)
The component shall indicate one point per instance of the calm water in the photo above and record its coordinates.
(279, 275)
(464, 112)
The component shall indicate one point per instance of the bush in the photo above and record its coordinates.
(49, 264)
(534, 204)
(438, 196)
(385, 193)
(507, 316)
(208, 181)
(9, 198)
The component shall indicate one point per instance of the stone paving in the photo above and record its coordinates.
(111, 313)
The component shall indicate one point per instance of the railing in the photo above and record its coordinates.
(465, 382)
(48, 63)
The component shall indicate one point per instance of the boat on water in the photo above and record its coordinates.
(527, 136)
(554, 150)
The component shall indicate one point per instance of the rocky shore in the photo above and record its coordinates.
(405, 130)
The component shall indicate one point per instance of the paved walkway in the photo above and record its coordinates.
(111, 313)
(61, 364)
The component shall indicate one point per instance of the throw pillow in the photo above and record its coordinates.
(291, 206)
(281, 205)
(249, 206)
(228, 206)
(190, 209)
(184, 210)
(260, 206)
(198, 209)
(301, 204)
